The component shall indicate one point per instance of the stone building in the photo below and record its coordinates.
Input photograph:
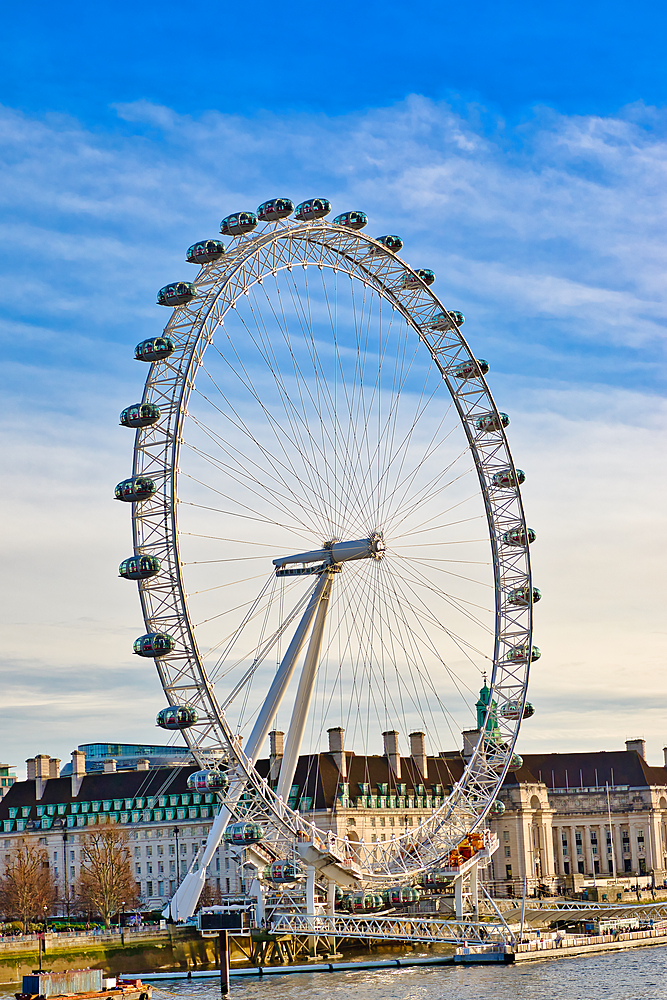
(555, 825)
(602, 813)
(167, 823)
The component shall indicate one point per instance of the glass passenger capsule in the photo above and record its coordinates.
(155, 349)
(283, 871)
(351, 220)
(205, 251)
(491, 422)
(522, 597)
(450, 320)
(238, 224)
(140, 415)
(512, 710)
(314, 208)
(176, 717)
(277, 208)
(520, 654)
(361, 902)
(391, 243)
(208, 780)
(154, 644)
(242, 834)
(176, 294)
(137, 488)
(422, 275)
(497, 808)
(507, 480)
(139, 567)
(517, 536)
(516, 762)
(471, 368)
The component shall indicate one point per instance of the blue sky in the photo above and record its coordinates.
(578, 58)
(521, 152)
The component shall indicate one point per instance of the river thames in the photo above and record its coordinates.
(629, 975)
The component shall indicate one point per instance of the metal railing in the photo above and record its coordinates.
(404, 928)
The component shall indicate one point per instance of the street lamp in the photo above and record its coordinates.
(178, 861)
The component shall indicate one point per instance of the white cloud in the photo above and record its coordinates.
(552, 241)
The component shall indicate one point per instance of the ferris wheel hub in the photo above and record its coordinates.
(335, 552)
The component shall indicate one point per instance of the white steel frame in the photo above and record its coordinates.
(247, 261)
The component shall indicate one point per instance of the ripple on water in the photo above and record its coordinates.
(633, 975)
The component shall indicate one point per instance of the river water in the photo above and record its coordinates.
(640, 974)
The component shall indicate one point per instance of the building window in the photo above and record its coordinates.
(508, 853)
(508, 871)
(160, 888)
(580, 866)
(137, 869)
(566, 867)
(506, 836)
(227, 882)
(149, 888)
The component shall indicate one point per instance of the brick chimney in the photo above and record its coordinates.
(470, 737)
(109, 766)
(42, 766)
(41, 770)
(276, 751)
(337, 750)
(54, 767)
(78, 770)
(664, 754)
(418, 753)
(638, 745)
(143, 765)
(30, 769)
(391, 752)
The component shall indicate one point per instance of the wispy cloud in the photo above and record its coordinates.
(551, 240)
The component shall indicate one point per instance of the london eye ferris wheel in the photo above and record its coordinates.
(328, 529)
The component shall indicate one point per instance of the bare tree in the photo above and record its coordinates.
(209, 896)
(27, 886)
(105, 873)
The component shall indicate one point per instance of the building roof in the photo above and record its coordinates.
(317, 778)
(588, 770)
(109, 785)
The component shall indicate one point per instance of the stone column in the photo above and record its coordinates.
(655, 841)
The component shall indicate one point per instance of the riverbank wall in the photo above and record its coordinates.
(137, 951)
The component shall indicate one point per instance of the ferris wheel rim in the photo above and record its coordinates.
(246, 249)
